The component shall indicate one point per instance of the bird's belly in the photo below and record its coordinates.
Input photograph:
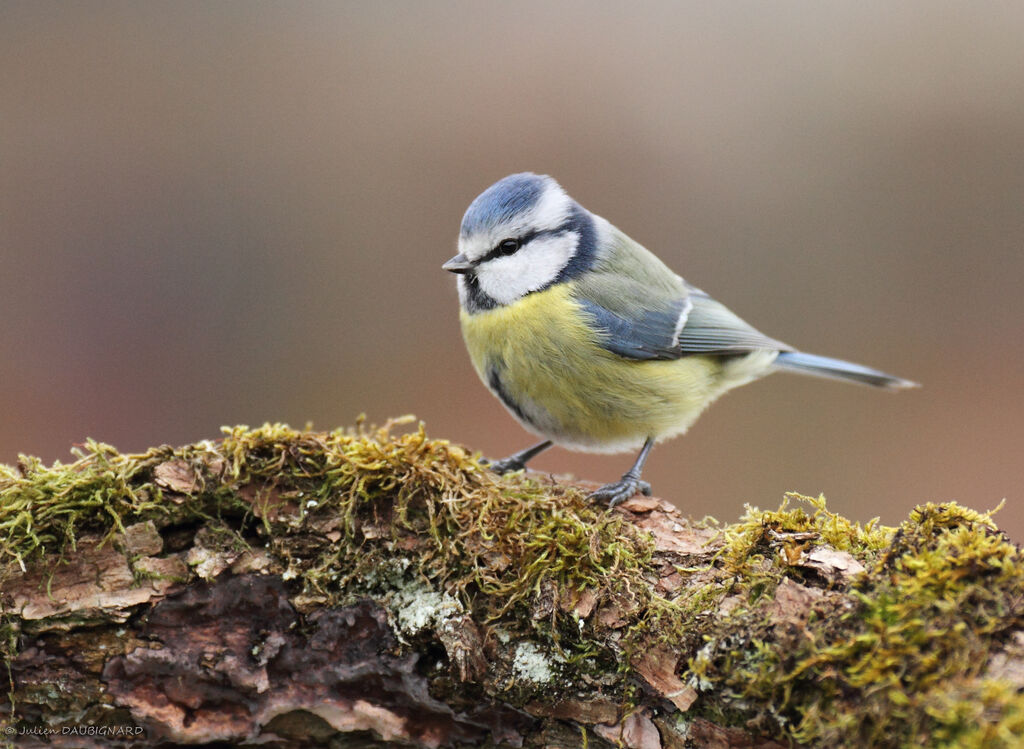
(541, 359)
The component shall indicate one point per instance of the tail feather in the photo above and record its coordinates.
(823, 366)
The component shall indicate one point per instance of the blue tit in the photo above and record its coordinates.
(590, 340)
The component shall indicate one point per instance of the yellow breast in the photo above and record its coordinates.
(546, 363)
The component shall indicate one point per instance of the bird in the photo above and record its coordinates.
(590, 341)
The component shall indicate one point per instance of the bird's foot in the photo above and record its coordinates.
(628, 486)
(505, 465)
(516, 461)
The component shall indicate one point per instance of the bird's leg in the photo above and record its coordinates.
(517, 461)
(630, 483)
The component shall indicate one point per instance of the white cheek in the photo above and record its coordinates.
(506, 279)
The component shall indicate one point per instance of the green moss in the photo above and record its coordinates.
(760, 535)
(985, 715)
(938, 599)
(889, 658)
(512, 549)
(44, 509)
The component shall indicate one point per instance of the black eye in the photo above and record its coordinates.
(508, 246)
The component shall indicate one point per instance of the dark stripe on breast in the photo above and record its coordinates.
(494, 380)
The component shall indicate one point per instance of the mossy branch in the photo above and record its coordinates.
(374, 587)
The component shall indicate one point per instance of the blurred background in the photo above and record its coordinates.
(223, 213)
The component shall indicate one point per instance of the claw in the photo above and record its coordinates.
(621, 490)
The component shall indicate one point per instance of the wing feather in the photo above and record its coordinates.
(712, 328)
(650, 334)
(644, 311)
(661, 329)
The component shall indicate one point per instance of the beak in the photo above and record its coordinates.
(458, 264)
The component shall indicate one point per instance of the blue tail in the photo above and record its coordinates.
(837, 369)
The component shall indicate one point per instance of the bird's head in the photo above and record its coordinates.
(521, 235)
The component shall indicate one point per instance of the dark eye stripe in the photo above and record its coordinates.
(499, 250)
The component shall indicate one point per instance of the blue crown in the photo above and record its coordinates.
(502, 201)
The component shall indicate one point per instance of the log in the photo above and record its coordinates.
(377, 587)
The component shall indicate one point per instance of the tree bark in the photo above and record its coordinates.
(290, 589)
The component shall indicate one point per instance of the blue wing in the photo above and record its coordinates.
(649, 333)
(677, 327)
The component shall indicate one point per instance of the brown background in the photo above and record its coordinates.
(220, 213)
